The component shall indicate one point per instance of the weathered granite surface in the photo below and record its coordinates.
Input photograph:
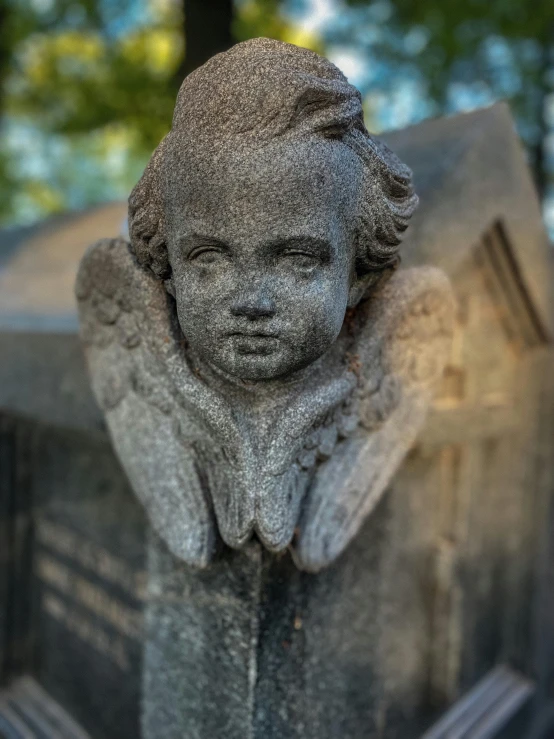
(254, 647)
(262, 367)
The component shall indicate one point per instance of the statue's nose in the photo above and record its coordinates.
(252, 304)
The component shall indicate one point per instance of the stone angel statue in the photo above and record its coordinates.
(262, 365)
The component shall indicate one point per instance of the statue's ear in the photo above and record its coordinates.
(366, 283)
(170, 286)
(359, 287)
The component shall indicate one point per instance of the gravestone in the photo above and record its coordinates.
(443, 581)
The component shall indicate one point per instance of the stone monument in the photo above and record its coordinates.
(265, 373)
(263, 368)
(262, 365)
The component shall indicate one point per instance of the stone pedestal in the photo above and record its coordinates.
(252, 647)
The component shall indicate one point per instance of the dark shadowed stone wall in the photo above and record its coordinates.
(74, 574)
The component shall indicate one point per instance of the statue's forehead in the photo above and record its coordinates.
(302, 174)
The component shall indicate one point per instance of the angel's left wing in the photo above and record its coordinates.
(141, 381)
(401, 355)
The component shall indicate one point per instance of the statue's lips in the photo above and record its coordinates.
(254, 343)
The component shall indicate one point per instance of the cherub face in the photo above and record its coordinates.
(262, 255)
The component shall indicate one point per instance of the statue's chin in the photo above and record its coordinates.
(263, 365)
(254, 359)
(257, 370)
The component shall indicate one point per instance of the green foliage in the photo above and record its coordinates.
(99, 99)
(78, 82)
(8, 185)
(495, 49)
(80, 79)
(255, 18)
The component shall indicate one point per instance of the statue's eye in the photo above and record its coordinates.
(302, 259)
(206, 254)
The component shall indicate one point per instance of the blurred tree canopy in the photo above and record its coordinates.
(87, 87)
(84, 82)
(470, 50)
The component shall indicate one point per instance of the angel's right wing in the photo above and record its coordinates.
(130, 345)
(402, 351)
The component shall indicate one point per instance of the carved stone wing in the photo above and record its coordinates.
(134, 354)
(402, 352)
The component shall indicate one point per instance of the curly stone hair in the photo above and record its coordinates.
(261, 90)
